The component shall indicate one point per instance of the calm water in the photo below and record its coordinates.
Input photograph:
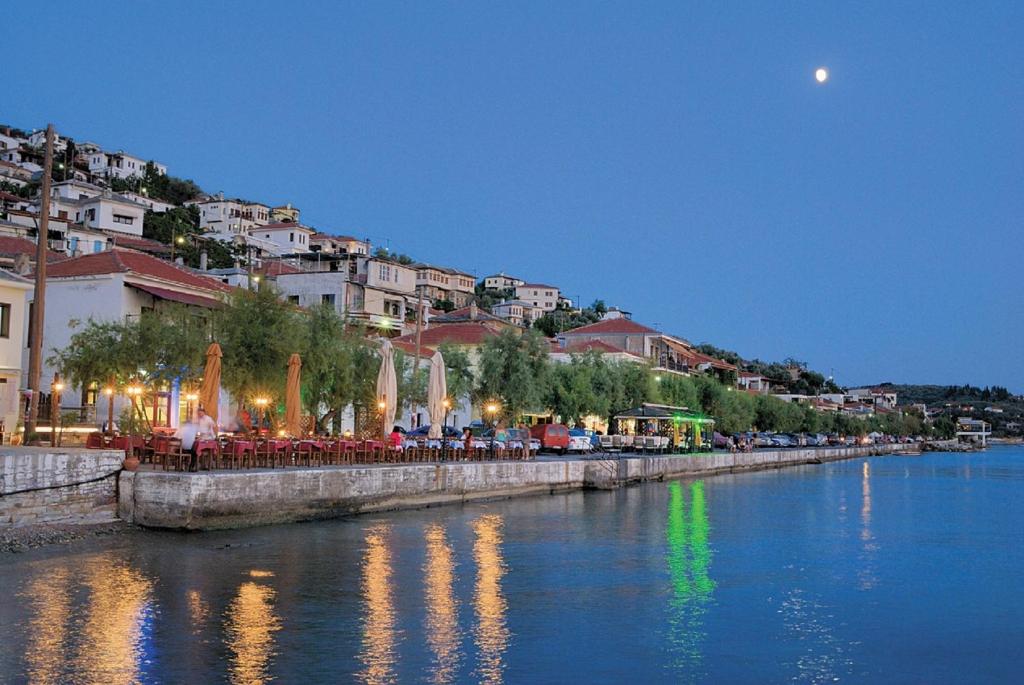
(894, 569)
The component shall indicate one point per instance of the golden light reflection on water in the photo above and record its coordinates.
(49, 598)
(442, 622)
(867, 576)
(198, 611)
(109, 648)
(491, 632)
(378, 653)
(250, 627)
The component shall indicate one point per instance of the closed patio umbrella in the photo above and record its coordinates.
(292, 397)
(387, 386)
(437, 390)
(209, 393)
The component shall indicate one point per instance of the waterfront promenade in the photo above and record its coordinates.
(232, 499)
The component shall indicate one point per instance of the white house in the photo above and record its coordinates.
(754, 382)
(107, 212)
(339, 244)
(151, 204)
(120, 165)
(217, 215)
(116, 285)
(38, 139)
(9, 142)
(289, 237)
(519, 312)
(541, 296)
(14, 293)
(313, 288)
(501, 281)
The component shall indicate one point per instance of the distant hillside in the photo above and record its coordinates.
(942, 394)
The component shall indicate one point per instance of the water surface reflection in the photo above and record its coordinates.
(378, 653)
(491, 632)
(250, 627)
(689, 557)
(442, 621)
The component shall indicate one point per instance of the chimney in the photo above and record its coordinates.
(179, 261)
(473, 311)
(202, 260)
(220, 195)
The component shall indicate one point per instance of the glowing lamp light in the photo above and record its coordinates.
(181, 240)
(256, 279)
(657, 379)
(58, 387)
(492, 408)
(446, 404)
(191, 397)
(348, 434)
(108, 391)
(382, 405)
(281, 433)
(261, 401)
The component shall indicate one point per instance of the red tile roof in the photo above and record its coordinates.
(277, 267)
(598, 346)
(11, 246)
(8, 197)
(612, 327)
(536, 285)
(137, 243)
(452, 333)
(125, 261)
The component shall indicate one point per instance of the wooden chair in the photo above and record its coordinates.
(170, 452)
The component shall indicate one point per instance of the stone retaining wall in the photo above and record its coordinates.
(58, 485)
(230, 499)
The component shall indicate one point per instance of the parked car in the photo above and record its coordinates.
(423, 431)
(720, 442)
(552, 436)
(781, 440)
(763, 440)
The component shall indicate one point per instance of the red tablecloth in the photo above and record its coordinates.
(212, 445)
(240, 446)
(279, 444)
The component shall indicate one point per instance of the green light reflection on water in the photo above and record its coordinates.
(689, 557)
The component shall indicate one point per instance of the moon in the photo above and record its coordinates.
(821, 75)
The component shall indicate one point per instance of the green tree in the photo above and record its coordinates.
(257, 333)
(513, 369)
(459, 377)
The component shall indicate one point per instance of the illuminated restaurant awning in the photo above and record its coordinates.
(176, 296)
(663, 412)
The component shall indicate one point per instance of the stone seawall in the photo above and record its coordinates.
(232, 499)
(58, 485)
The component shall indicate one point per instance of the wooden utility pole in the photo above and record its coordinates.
(35, 356)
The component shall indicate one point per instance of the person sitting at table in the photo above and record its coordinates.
(396, 438)
(187, 433)
(110, 427)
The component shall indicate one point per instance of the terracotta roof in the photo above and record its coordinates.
(598, 346)
(715, 362)
(277, 267)
(537, 285)
(136, 243)
(452, 333)
(463, 314)
(125, 261)
(612, 326)
(749, 374)
(8, 197)
(11, 246)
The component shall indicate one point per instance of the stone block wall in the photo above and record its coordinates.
(58, 485)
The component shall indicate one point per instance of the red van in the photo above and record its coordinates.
(552, 436)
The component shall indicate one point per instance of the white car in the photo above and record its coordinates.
(579, 443)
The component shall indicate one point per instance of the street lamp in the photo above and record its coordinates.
(444, 424)
(381, 406)
(109, 392)
(492, 412)
(55, 389)
(262, 403)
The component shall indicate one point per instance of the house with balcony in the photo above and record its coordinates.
(120, 164)
(752, 382)
(338, 244)
(539, 295)
(118, 285)
(288, 237)
(973, 431)
(14, 174)
(501, 281)
(230, 216)
(518, 312)
(440, 283)
(665, 352)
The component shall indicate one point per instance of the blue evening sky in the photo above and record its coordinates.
(677, 160)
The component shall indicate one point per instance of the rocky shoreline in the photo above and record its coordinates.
(24, 538)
